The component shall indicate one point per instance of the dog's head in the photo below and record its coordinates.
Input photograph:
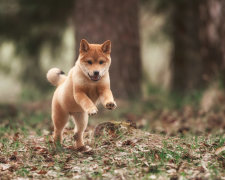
(95, 59)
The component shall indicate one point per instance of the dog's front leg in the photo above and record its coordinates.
(106, 98)
(84, 101)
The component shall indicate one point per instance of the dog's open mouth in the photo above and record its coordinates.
(94, 77)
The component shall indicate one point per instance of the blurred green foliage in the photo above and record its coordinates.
(31, 93)
(172, 100)
(30, 24)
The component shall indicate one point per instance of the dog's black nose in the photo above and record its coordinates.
(96, 73)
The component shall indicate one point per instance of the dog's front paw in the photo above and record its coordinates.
(111, 105)
(92, 111)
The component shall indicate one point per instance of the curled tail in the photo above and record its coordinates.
(55, 76)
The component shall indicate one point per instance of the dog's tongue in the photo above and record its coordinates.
(95, 77)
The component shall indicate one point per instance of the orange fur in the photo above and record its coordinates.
(78, 93)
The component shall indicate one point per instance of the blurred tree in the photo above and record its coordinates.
(117, 21)
(212, 37)
(29, 24)
(223, 43)
(186, 61)
(198, 35)
(198, 38)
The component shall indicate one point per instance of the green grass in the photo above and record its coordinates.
(140, 160)
(26, 147)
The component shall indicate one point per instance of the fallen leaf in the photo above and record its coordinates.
(50, 164)
(219, 150)
(52, 173)
(13, 158)
(33, 168)
(128, 143)
(16, 136)
(4, 166)
(3, 160)
(42, 172)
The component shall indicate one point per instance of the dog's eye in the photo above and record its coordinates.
(101, 62)
(89, 62)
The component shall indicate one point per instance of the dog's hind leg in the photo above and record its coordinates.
(59, 118)
(81, 121)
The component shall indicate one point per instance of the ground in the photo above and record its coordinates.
(156, 144)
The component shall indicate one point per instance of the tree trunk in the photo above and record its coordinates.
(199, 43)
(117, 21)
(211, 38)
(186, 62)
(223, 43)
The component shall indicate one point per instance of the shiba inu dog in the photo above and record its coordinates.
(78, 93)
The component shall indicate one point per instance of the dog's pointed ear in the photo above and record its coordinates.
(84, 45)
(106, 47)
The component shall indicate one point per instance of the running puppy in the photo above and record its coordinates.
(78, 93)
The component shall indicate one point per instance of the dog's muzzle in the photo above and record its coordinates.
(94, 77)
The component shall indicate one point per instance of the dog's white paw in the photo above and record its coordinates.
(111, 105)
(92, 111)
